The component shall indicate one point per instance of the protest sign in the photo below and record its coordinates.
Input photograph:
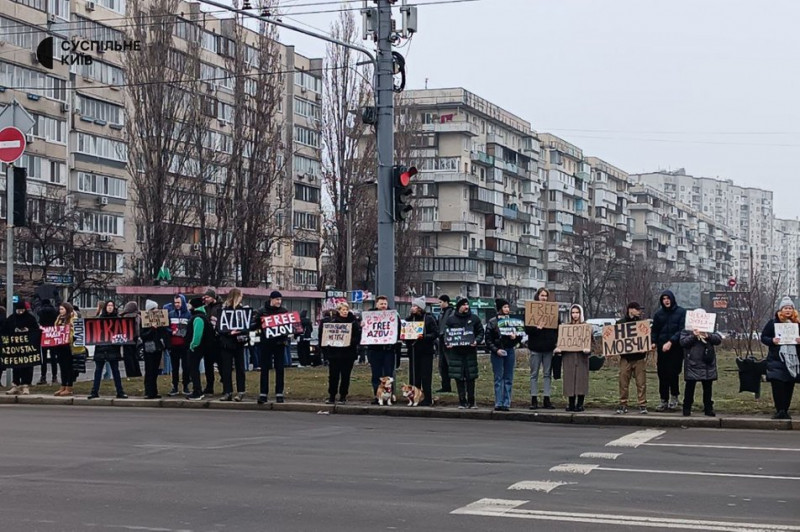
(337, 334)
(234, 319)
(509, 326)
(573, 338)
(379, 327)
(700, 320)
(20, 350)
(105, 331)
(155, 318)
(626, 338)
(787, 332)
(283, 324)
(459, 336)
(541, 313)
(55, 336)
(412, 330)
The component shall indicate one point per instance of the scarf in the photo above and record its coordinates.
(788, 353)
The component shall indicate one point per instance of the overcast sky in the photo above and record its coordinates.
(712, 86)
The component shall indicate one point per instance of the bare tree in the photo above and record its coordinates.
(750, 308)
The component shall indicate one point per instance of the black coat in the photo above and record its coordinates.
(427, 344)
(496, 341)
(107, 353)
(347, 352)
(542, 340)
(47, 315)
(696, 365)
(275, 341)
(776, 368)
(462, 361)
(668, 324)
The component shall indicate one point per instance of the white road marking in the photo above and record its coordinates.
(538, 485)
(635, 439)
(6, 144)
(602, 456)
(583, 469)
(509, 508)
(737, 447)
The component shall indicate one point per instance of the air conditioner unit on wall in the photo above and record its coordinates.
(102, 200)
(104, 238)
(89, 6)
(64, 107)
(195, 247)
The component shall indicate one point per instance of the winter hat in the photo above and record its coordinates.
(445, 298)
(461, 301)
(275, 295)
(786, 302)
(210, 293)
(499, 303)
(418, 302)
(20, 305)
(634, 305)
(196, 302)
(150, 305)
(131, 307)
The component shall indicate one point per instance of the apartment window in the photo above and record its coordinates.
(429, 214)
(209, 41)
(305, 220)
(306, 249)
(103, 261)
(103, 72)
(100, 110)
(224, 111)
(41, 5)
(91, 30)
(306, 108)
(305, 166)
(102, 147)
(41, 169)
(464, 242)
(20, 35)
(33, 82)
(102, 185)
(442, 164)
(306, 193)
(305, 277)
(306, 136)
(185, 30)
(118, 6)
(306, 81)
(104, 224)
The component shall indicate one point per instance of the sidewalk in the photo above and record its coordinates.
(590, 417)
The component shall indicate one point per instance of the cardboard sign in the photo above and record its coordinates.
(20, 350)
(105, 331)
(787, 332)
(541, 313)
(459, 336)
(626, 338)
(509, 326)
(234, 319)
(700, 320)
(280, 324)
(155, 318)
(379, 327)
(412, 330)
(337, 334)
(574, 338)
(55, 336)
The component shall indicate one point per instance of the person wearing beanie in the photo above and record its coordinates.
(22, 321)
(154, 341)
(444, 373)
(212, 308)
(421, 351)
(541, 344)
(575, 367)
(633, 365)
(783, 359)
(304, 340)
(462, 360)
(501, 343)
(699, 365)
(272, 351)
(107, 353)
(47, 318)
(200, 340)
(665, 335)
(130, 353)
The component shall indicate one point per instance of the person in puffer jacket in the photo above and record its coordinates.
(783, 361)
(501, 345)
(341, 359)
(462, 360)
(179, 317)
(668, 324)
(700, 364)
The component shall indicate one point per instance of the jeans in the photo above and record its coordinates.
(107, 373)
(545, 360)
(167, 364)
(98, 372)
(287, 362)
(503, 369)
(381, 363)
(178, 357)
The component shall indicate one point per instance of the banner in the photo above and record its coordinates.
(105, 331)
(700, 320)
(626, 338)
(155, 318)
(55, 336)
(234, 319)
(20, 350)
(541, 313)
(284, 324)
(337, 334)
(412, 330)
(574, 338)
(787, 332)
(458, 336)
(379, 327)
(509, 326)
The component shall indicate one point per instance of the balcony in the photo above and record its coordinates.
(481, 206)
(481, 157)
(457, 277)
(452, 127)
(450, 177)
(482, 254)
(514, 214)
(445, 227)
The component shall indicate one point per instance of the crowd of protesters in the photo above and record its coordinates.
(194, 344)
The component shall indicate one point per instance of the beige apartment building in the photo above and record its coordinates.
(78, 159)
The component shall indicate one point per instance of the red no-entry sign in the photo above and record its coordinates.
(12, 144)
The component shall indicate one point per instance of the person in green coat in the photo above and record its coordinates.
(463, 332)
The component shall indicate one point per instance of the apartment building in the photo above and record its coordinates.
(609, 196)
(478, 194)
(78, 160)
(787, 252)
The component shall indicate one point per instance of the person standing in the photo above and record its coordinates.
(462, 360)
(22, 321)
(341, 359)
(635, 365)
(575, 368)
(130, 353)
(381, 358)
(211, 308)
(700, 364)
(202, 339)
(107, 353)
(304, 340)
(502, 345)
(783, 361)
(541, 344)
(668, 324)
(421, 351)
(445, 312)
(47, 318)
(153, 344)
(232, 349)
(179, 317)
(273, 351)
(63, 353)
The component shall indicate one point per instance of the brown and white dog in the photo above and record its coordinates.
(413, 394)
(384, 392)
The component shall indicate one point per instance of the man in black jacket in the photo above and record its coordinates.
(212, 309)
(421, 351)
(47, 318)
(635, 365)
(304, 339)
(273, 351)
(446, 312)
(668, 323)
(463, 358)
(541, 343)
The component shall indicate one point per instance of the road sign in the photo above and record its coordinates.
(15, 115)
(358, 296)
(12, 144)
(732, 282)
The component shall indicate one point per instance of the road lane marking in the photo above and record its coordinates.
(585, 469)
(510, 508)
(635, 439)
(602, 456)
(736, 447)
(538, 485)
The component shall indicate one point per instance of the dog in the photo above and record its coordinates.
(413, 394)
(384, 393)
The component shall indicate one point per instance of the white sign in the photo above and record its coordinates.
(700, 320)
(235, 319)
(380, 327)
(787, 332)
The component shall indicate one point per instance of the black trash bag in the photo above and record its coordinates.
(750, 372)
(556, 369)
(596, 362)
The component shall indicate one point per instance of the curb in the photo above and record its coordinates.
(590, 418)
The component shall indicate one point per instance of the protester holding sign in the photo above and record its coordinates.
(63, 353)
(233, 329)
(179, 316)
(541, 343)
(668, 323)
(341, 359)
(502, 352)
(130, 352)
(575, 367)
(444, 373)
(381, 356)
(22, 328)
(108, 353)
(421, 350)
(700, 364)
(783, 361)
(273, 349)
(47, 318)
(462, 360)
(633, 364)
(153, 342)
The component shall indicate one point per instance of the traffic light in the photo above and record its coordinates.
(403, 192)
(20, 196)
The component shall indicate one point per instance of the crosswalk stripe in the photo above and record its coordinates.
(635, 439)
(538, 485)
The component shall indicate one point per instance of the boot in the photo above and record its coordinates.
(709, 409)
(571, 406)
(462, 394)
(43, 380)
(14, 390)
(26, 390)
(534, 402)
(673, 403)
(471, 393)
(61, 391)
(579, 406)
(67, 392)
(547, 404)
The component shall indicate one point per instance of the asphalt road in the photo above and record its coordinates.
(139, 469)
